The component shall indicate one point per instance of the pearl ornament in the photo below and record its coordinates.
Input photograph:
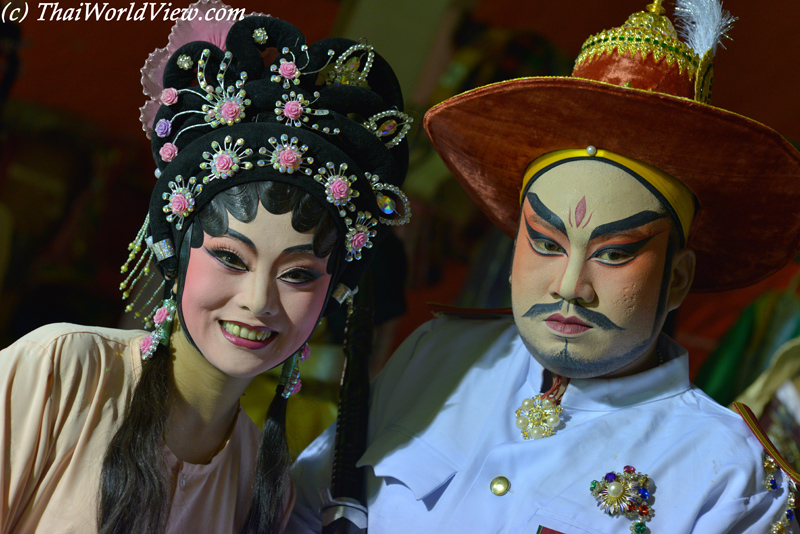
(615, 489)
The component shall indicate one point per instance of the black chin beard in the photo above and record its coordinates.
(563, 363)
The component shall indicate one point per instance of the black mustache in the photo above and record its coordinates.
(596, 318)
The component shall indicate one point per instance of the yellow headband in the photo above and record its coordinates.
(678, 197)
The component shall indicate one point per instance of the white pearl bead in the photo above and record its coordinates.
(615, 489)
(591, 150)
(521, 422)
(527, 404)
(537, 432)
(552, 420)
(546, 404)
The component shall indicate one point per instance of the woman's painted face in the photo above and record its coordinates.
(588, 279)
(252, 296)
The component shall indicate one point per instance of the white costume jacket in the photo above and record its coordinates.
(442, 427)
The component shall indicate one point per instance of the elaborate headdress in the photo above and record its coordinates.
(253, 102)
(640, 92)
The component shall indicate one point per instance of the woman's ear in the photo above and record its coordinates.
(681, 277)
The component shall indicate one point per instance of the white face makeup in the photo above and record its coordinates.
(588, 280)
(252, 296)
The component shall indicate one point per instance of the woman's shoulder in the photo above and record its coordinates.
(74, 348)
(67, 332)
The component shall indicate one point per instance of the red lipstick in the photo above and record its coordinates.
(566, 325)
(249, 344)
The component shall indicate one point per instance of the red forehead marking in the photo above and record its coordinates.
(580, 211)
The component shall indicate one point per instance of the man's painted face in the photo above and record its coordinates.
(588, 279)
(252, 296)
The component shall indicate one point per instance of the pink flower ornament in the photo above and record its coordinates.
(293, 109)
(161, 315)
(179, 204)
(305, 352)
(168, 152)
(146, 345)
(223, 162)
(226, 160)
(289, 70)
(230, 111)
(169, 96)
(296, 387)
(359, 240)
(340, 189)
(289, 158)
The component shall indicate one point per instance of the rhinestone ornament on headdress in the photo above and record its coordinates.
(227, 160)
(226, 104)
(359, 234)
(626, 494)
(288, 72)
(338, 186)
(351, 68)
(296, 109)
(185, 62)
(782, 525)
(390, 126)
(260, 36)
(397, 206)
(286, 156)
(225, 107)
(181, 199)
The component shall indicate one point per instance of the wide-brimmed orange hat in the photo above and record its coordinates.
(640, 92)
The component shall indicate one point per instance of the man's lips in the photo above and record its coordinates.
(566, 325)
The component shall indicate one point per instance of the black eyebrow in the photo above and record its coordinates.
(628, 223)
(299, 248)
(545, 214)
(533, 234)
(243, 238)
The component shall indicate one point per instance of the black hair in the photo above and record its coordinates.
(134, 491)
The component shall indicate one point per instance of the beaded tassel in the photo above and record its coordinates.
(135, 273)
(140, 268)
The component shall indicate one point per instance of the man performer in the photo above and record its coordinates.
(624, 190)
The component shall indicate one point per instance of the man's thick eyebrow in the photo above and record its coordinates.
(545, 214)
(628, 223)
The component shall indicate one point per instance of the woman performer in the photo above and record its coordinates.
(259, 227)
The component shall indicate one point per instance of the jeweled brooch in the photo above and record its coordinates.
(538, 417)
(771, 483)
(626, 494)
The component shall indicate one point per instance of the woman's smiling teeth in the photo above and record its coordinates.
(245, 333)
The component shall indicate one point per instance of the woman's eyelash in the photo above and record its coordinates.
(307, 275)
(224, 255)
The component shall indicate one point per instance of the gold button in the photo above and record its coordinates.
(500, 485)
